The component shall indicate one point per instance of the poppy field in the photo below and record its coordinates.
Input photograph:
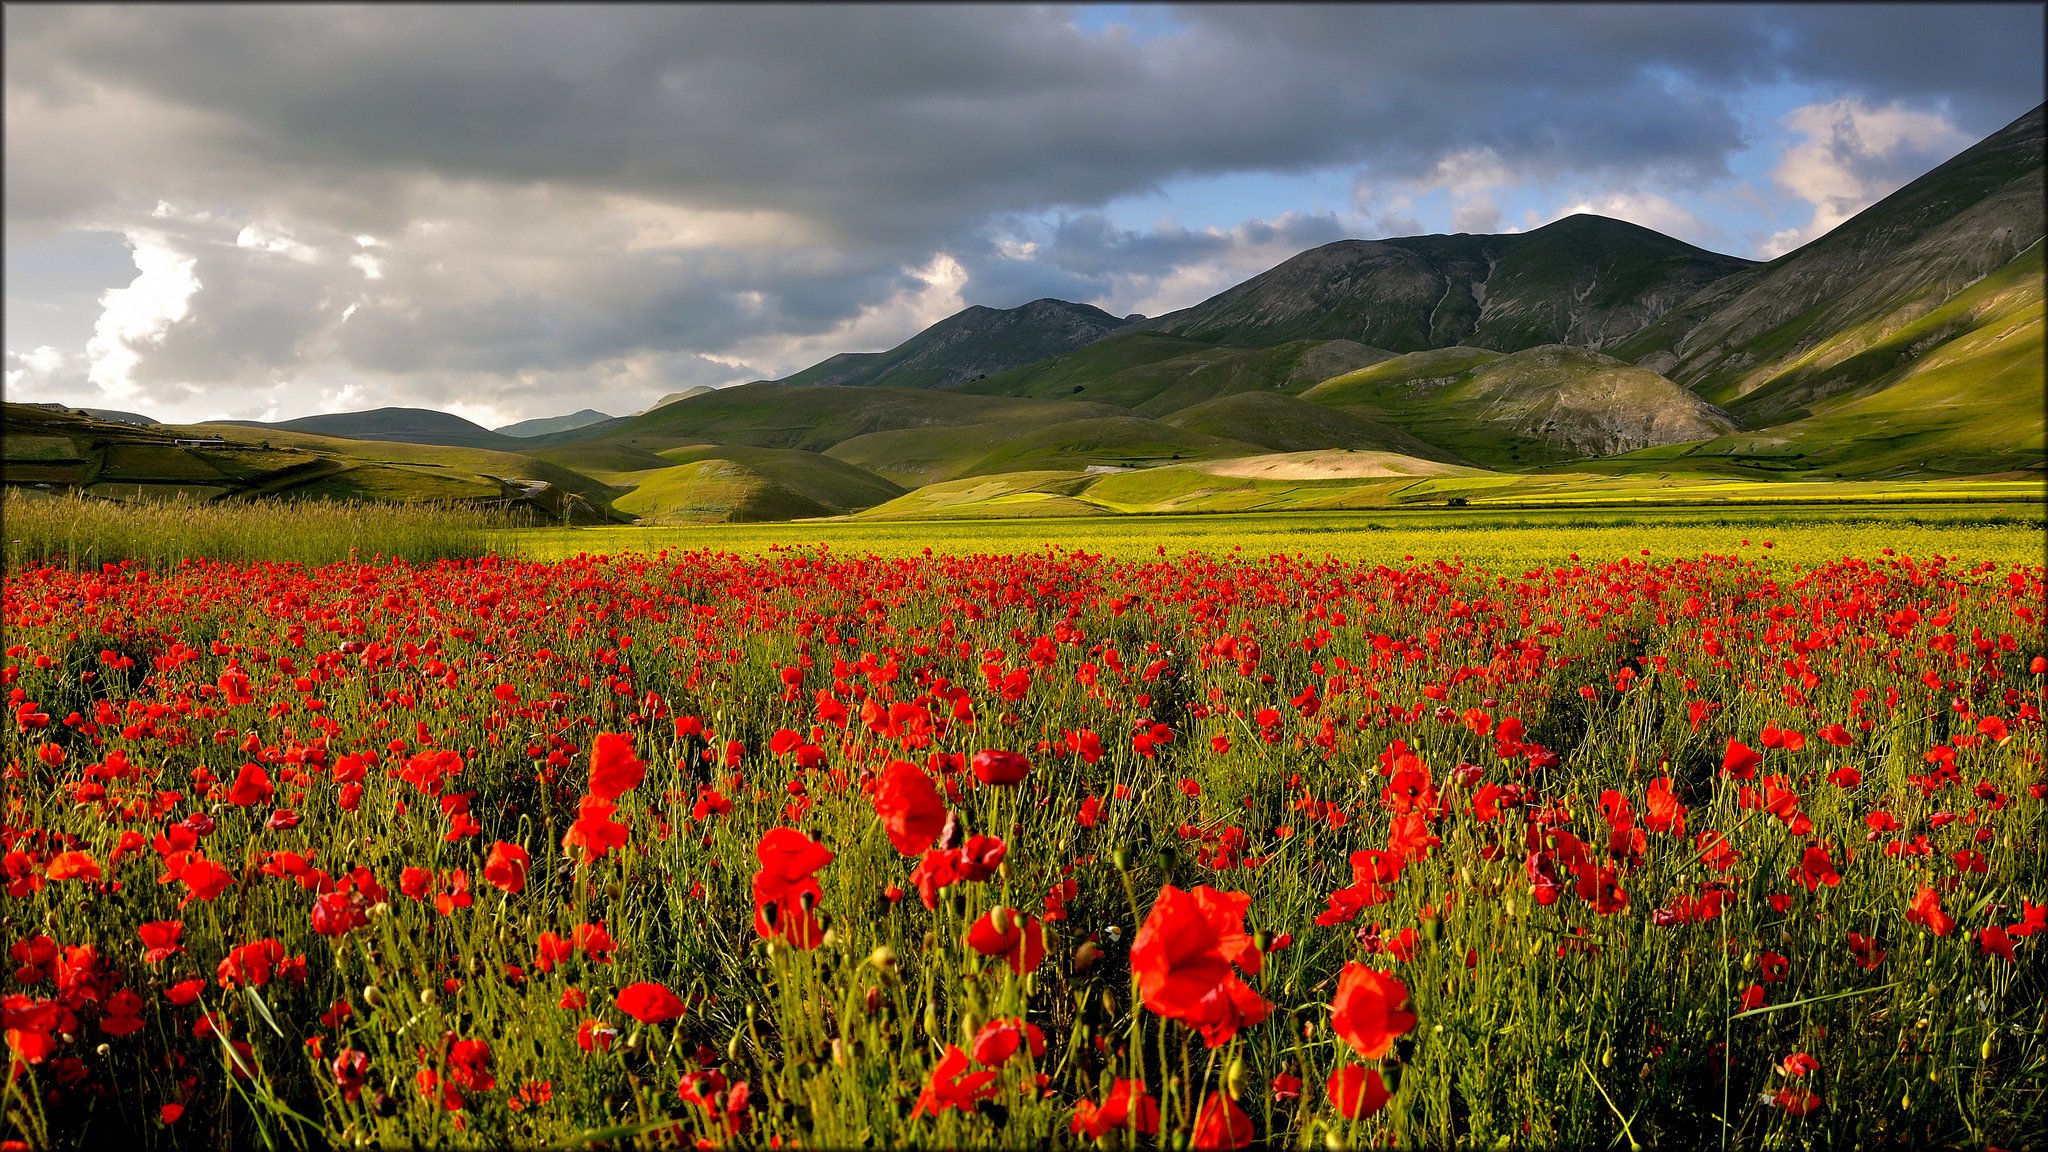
(807, 850)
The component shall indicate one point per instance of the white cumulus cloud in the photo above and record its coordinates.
(1850, 155)
(138, 316)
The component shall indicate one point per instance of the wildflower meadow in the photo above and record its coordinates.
(807, 850)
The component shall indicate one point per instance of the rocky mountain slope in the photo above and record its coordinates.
(1583, 280)
(1773, 340)
(970, 344)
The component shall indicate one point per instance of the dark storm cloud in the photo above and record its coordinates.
(842, 145)
(887, 121)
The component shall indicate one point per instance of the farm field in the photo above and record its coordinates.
(1120, 832)
(2004, 533)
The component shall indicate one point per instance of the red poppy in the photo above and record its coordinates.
(1865, 951)
(506, 867)
(992, 766)
(1221, 1124)
(1183, 957)
(614, 770)
(953, 1086)
(1815, 869)
(1368, 1011)
(1127, 1107)
(1926, 910)
(1356, 1091)
(650, 1003)
(204, 879)
(1019, 939)
(1796, 1101)
(594, 830)
(786, 890)
(469, 1065)
(1995, 941)
(913, 814)
(73, 866)
(1000, 1039)
(160, 940)
(1740, 761)
(252, 786)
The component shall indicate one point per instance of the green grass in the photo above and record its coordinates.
(83, 532)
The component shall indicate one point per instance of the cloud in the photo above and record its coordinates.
(1088, 258)
(1852, 155)
(504, 201)
(139, 316)
(1658, 213)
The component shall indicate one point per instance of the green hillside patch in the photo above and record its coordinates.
(28, 448)
(1071, 374)
(1009, 495)
(814, 419)
(1370, 389)
(1285, 424)
(714, 491)
(737, 484)
(594, 458)
(1106, 442)
(476, 471)
(1154, 375)
(831, 484)
(1862, 360)
(1535, 407)
(152, 463)
(1972, 405)
(913, 457)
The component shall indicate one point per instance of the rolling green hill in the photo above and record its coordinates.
(546, 424)
(61, 450)
(399, 425)
(737, 484)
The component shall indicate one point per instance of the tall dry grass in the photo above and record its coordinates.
(80, 531)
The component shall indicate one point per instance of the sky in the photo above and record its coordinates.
(265, 212)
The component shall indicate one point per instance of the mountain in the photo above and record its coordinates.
(1538, 406)
(547, 424)
(401, 425)
(1772, 341)
(116, 416)
(672, 397)
(967, 345)
(1583, 280)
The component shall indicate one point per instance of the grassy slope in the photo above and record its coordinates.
(913, 457)
(1155, 375)
(704, 483)
(1754, 337)
(401, 425)
(813, 419)
(1534, 407)
(382, 470)
(1284, 423)
(1973, 404)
